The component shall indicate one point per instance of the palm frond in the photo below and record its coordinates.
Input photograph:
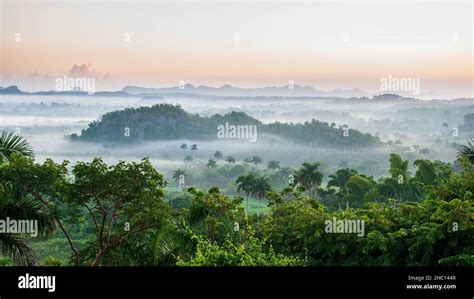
(11, 143)
(16, 247)
(467, 151)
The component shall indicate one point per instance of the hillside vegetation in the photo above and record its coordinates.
(169, 122)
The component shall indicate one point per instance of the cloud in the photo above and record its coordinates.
(82, 71)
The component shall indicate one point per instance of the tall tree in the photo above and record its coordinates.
(273, 165)
(121, 200)
(260, 188)
(177, 174)
(256, 160)
(16, 205)
(245, 184)
(218, 155)
(230, 160)
(340, 178)
(188, 159)
(309, 177)
(426, 172)
(211, 163)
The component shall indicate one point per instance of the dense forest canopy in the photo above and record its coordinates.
(91, 213)
(169, 122)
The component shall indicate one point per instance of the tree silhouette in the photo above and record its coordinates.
(218, 155)
(467, 151)
(340, 178)
(211, 163)
(15, 205)
(230, 160)
(309, 177)
(260, 188)
(245, 183)
(273, 165)
(188, 159)
(177, 175)
(256, 160)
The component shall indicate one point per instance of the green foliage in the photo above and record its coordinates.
(167, 122)
(52, 261)
(273, 165)
(420, 220)
(122, 200)
(467, 151)
(424, 233)
(321, 133)
(249, 252)
(11, 143)
(309, 176)
(458, 260)
(106, 197)
(6, 261)
(15, 204)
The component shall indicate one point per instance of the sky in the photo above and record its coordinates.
(328, 45)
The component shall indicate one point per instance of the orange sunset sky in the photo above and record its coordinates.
(328, 45)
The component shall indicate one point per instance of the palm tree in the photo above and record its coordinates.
(260, 188)
(467, 151)
(16, 206)
(218, 155)
(184, 146)
(178, 174)
(188, 159)
(194, 147)
(245, 183)
(340, 179)
(256, 160)
(309, 177)
(230, 160)
(211, 163)
(273, 165)
(11, 143)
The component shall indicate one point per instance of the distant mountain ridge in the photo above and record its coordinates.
(229, 90)
(10, 90)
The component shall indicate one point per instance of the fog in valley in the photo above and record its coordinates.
(414, 129)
